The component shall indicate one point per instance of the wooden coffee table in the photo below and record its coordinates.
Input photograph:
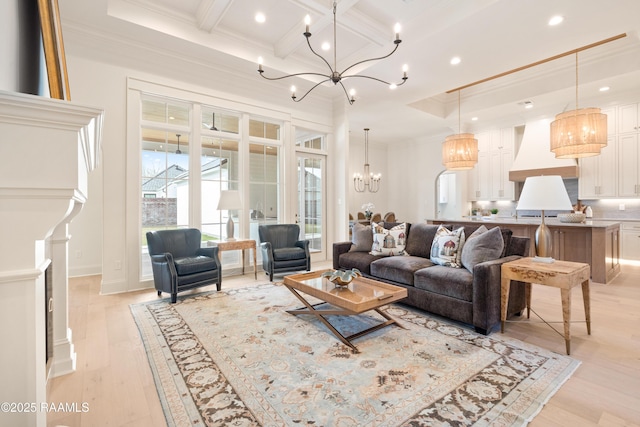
(360, 296)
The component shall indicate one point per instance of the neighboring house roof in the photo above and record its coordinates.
(160, 180)
(175, 172)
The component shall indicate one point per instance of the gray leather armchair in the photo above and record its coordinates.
(282, 250)
(179, 263)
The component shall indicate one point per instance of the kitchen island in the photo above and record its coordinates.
(595, 242)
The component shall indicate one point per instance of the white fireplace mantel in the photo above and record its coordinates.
(47, 149)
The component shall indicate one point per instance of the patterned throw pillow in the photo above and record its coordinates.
(388, 242)
(361, 238)
(446, 248)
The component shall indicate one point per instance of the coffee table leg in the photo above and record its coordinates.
(313, 311)
(566, 316)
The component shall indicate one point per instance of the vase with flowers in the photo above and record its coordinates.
(368, 210)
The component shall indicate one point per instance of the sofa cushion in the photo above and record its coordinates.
(361, 238)
(399, 268)
(388, 242)
(483, 245)
(420, 238)
(447, 247)
(195, 264)
(452, 282)
(359, 260)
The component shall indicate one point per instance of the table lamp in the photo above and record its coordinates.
(541, 193)
(229, 201)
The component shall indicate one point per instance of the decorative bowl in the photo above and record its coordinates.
(342, 278)
(571, 217)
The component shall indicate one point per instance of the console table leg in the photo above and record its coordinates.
(587, 304)
(566, 316)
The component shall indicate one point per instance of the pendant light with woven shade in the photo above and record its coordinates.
(578, 133)
(459, 151)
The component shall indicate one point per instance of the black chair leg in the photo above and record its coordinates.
(159, 293)
(174, 298)
(219, 286)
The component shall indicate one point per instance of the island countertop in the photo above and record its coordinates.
(595, 242)
(551, 221)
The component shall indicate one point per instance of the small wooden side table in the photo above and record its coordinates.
(559, 274)
(234, 245)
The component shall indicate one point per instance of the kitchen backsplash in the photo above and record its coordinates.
(603, 209)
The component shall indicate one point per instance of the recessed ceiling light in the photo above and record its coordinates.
(474, 119)
(604, 88)
(326, 46)
(528, 104)
(455, 60)
(260, 17)
(555, 20)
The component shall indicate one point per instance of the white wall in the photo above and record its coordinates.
(378, 164)
(413, 167)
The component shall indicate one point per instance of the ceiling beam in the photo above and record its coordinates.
(542, 61)
(211, 12)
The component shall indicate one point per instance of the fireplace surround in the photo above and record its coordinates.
(48, 147)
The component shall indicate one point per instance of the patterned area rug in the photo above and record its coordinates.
(236, 358)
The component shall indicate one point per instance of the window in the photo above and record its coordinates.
(182, 178)
(220, 171)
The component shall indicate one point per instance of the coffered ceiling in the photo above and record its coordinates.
(490, 37)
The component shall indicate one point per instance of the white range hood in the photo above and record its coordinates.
(534, 158)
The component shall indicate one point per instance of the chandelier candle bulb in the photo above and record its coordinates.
(307, 22)
(397, 29)
(260, 61)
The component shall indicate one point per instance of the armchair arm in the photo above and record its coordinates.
(486, 293)
(304, 244)
(164, 272)
(339, 248)
(211, 252)
(267, 254)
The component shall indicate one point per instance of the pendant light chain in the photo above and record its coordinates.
(577, 81)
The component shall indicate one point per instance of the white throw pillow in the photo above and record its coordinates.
(388, 242)
(446, 248)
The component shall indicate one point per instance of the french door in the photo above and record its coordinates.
(311, 216)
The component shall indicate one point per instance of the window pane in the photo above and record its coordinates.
(163, 112)
(264, 186)
(263, 129)
(220, 171)
(309, 139)
(221, 121)
(165, 175)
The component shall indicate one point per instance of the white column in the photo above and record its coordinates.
(64, 355)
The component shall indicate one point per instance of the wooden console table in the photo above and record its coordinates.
(560, 274)
(234, 245)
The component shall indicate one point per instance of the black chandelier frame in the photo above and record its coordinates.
(335, 76)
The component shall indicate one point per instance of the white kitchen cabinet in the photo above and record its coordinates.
(629, 118)
(631, 241)
(628, 165)
(598, 174)
(478, 177)
(489, 180)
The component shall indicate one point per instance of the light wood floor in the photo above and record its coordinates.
(114, 378)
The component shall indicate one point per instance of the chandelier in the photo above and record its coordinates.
(578, 133)
(334, 75)
(459, 151)
(366, 181)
